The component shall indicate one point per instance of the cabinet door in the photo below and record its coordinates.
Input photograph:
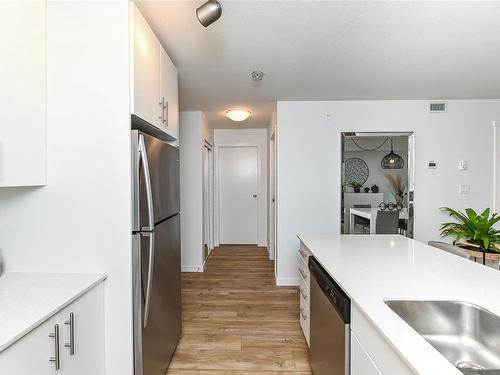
(146, 71)
(87, 337)
(361, 363)
(23, 93)
(30, 355)
(169, 90)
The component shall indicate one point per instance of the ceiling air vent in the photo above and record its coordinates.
(438, 107)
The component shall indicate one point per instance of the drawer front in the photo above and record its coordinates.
(304, 296)
(361, 363)
(304, 272)
(304, 253)
(305, 323)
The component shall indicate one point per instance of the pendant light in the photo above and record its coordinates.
(392, 160)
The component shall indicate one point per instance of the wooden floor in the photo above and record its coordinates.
(236, 321)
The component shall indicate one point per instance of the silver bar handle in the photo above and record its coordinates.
(56, 359)
(165, 115)
(149, 284)
(304, 275)
(71, 343)
(303, 294)
(304, 316)
(162, 106)
(147, 179)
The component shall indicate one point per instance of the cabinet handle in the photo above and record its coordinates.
(71, 343)
(304, 316)
(304, 275)
(162, 106)
(55, 358)
(303, 294)
(165, 112)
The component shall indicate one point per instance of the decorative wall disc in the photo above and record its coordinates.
(356, 170)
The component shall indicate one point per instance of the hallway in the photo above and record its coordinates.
(236, 321)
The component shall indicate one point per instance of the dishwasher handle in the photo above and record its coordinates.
(337, 297)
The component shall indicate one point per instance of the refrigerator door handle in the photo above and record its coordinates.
(149, 284)
(147, 180)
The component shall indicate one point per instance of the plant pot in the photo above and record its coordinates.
(487, 257)
(357, 189)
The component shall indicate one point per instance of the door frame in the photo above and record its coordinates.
(208, 196)
(217, 187)
(410, 169)
(273, 211)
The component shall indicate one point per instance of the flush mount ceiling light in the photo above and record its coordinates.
(238, 114)
(392, 160)
(209, 12)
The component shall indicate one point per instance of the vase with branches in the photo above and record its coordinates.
(397, 187)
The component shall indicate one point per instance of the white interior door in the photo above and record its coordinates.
(238, 194)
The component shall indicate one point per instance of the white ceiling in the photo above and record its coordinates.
(325, 50)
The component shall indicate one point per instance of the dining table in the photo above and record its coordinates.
(371, 215)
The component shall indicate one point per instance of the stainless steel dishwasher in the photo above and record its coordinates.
(330, 324)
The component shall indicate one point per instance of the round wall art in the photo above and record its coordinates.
(356, 170)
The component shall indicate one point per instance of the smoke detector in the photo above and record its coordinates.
(257, 75)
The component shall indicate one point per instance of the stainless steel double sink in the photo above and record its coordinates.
(465, 334)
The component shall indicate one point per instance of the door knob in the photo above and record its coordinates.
(255, 195)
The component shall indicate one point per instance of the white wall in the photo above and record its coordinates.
(309, 163)
(193, 131)
(235, 137)
(81, 221)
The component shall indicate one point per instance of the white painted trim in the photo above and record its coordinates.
(288, 281)
(495, 166)
(193, 268)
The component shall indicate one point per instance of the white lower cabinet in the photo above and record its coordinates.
(304, 293)
(47, 349)
(361, 363)
(385, 359)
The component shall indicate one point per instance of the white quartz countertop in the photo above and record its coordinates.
(28, 299)
(374, 268)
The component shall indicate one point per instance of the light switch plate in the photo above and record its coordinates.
(432, 164)
(464, 189)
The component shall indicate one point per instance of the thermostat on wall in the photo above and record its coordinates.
(432, 165)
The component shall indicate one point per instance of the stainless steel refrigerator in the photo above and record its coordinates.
(155, 253)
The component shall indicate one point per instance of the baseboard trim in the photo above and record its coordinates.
(193, 268)
(287, 281)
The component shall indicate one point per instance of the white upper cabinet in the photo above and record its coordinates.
(169, 91)
(23, 93)
(145, 71)
(154, 79)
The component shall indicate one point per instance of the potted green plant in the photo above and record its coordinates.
(478, 230)
(356, 186)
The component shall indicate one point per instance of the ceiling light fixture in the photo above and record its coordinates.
(392, 160)
(209, 12)
(238, 114)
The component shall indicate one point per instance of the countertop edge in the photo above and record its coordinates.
(100, 278)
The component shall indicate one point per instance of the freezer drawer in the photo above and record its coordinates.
(157, 297)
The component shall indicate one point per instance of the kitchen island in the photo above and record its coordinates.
(374, 268)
